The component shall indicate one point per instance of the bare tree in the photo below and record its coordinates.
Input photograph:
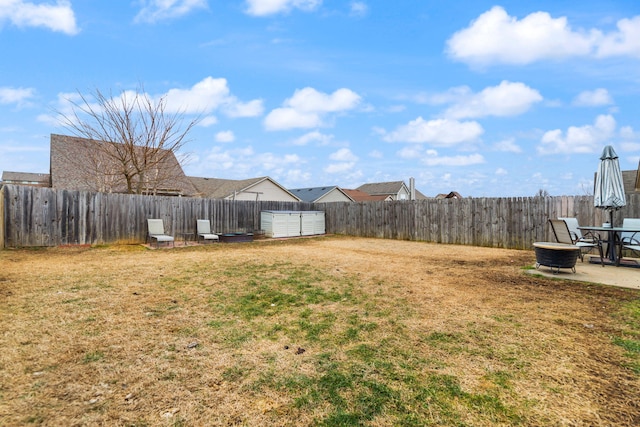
(542, 193)
(133, 140)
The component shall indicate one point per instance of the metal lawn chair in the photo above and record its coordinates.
(156, 231)
(204, 231)
(628, 239)
(563, 235)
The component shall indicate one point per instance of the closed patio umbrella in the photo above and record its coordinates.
(609, 190)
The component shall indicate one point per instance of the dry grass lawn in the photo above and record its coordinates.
(325, 331)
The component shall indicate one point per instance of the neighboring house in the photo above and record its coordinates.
(26, 178)
(396, 190)
(88, 165)
(452, 195)
(321, 194)
(631, 180)
(263, 188)
(361, 196)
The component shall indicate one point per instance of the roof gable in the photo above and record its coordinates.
(378, 188)
(316, 194)
(216, 188)
(361, 196)
(631, 181)
(26, 178)
(84, 164)
(310, 194)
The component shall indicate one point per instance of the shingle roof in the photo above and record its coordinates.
(388, 188)
(41, 179)
(630, 180)
(77, 165)
(361, 196)
(378, 188)
(311, 194)
(215, 188)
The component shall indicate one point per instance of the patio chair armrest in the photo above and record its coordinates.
(591, 237)
(634, 239)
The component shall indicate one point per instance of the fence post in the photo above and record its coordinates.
(2, 217)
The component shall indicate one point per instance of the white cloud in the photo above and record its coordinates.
(434, 160)
(627, 132)
(345, 159)
(497, 37)
(271, 7)
(310, 100)
(376, 154)
(630, 146)
(358, 8)
(411, 152)
(507, 145)
(454, 94)
(343, 155)
(339, 167)
(307, 107)
(236, 108)
(225, 136)
(506, 99)
(208, 95)
(297, 176)
(208, 121)
(59, 17)
(501, 172)
(593, 98)
(158, 10)
(631, 139)
(20, 96)
(396, 109)
(239, 163)
(437, 132)
(584, 139)
(203, 97)
(626, 41)
(320, 138)
(288, 118)
(272, 162)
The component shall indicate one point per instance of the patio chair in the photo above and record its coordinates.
(204, 231)
(156, 231)
(576, 233)
(628, 239)
(563, 235)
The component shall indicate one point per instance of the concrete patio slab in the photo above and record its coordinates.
(625, 277)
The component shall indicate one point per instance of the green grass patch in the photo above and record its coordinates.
(94, 356)
(367, 367)
(629, 338)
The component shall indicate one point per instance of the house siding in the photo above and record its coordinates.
(267, 190)
(334, 195)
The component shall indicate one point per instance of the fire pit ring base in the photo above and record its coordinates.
(556, 255)
(236, 237)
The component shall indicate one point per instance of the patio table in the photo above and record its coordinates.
(613, 240)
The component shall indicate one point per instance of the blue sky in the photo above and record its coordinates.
(484, 98)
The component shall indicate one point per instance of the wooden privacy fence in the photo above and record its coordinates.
(34, 216)
(513, 223)
(46, 217)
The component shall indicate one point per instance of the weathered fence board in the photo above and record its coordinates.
(34, 216)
